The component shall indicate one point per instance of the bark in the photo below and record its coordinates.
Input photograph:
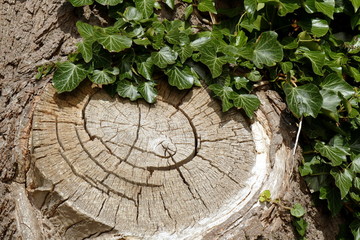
(83, 165)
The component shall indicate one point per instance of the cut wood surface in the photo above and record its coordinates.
(177, 169)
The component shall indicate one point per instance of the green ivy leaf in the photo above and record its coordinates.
(355, 227)
(200, 42)
(188, 11)
(267, 50)
(212, 61)
(248, 102)
(241, 82)
(336, 154)
(355, 164)
(148, 91)
(207, 6)
(133, 14)
(127, 89)
(300, 225)
(356, 4)
(331, 100)
(113, 42)
(305, 100)
(103, 76)
(332, 195)
(297, 210)
(101, 57)
(80, 3)
(287, 6)
(125, 67)
(250, 7)
(184, 52)
(85, 48)
(170, 3)
(337, 84)
(224, 93)
(109, 2)
(145, 6)
(327, 7)
(343, 180)
(164, 57)
(265, 196)
(316, 58)
(86, 30)
(145, 66)
(182, 78)
(68, 76)
(316, 26)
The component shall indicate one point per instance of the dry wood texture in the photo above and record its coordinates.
(173, 170)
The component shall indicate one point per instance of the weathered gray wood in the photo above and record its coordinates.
(172, 170)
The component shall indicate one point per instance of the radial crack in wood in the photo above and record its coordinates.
(178, 169)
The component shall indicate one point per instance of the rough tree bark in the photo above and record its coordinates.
(86, 166)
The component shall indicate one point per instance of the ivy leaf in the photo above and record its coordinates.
(224, 93)
(103, 76)
(212, 61)
(355, 164)
(287, 6)
(343, 180)
(101, 57)
(188, 11)
(85, 48)
(145, 66)
(248, 102)
(200, 42)
(170, 3)
(68, 76)
(265, 196)
(356, 4)
(145, 6)
(267, 50)
(301, 225)
(182, 78)
(80, 3)
(327, 7)
(113, 42)
(355, 227)
(336, 154)
(331, 100)
(86, 30)
(148, 91)
(207, 6)
(250, 7)
(297, 210)
(126, 89)
(317, 59)
(241, 82)
(125, 67)
(332, 196)
(316, 26)
(109, 2)
(184, 52)
(305, 100)
(132, 14)
(164, 57)
(336, 83)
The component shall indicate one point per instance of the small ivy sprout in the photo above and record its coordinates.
(297, 211)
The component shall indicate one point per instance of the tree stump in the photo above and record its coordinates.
(178, 169)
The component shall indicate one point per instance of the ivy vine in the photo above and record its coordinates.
(307, 50)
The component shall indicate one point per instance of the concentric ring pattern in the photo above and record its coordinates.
(140, 167)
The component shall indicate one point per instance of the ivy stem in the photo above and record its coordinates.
(298, 135)
(278, 202)
(309, 40)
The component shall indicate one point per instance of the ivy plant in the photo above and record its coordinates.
(306, 50)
